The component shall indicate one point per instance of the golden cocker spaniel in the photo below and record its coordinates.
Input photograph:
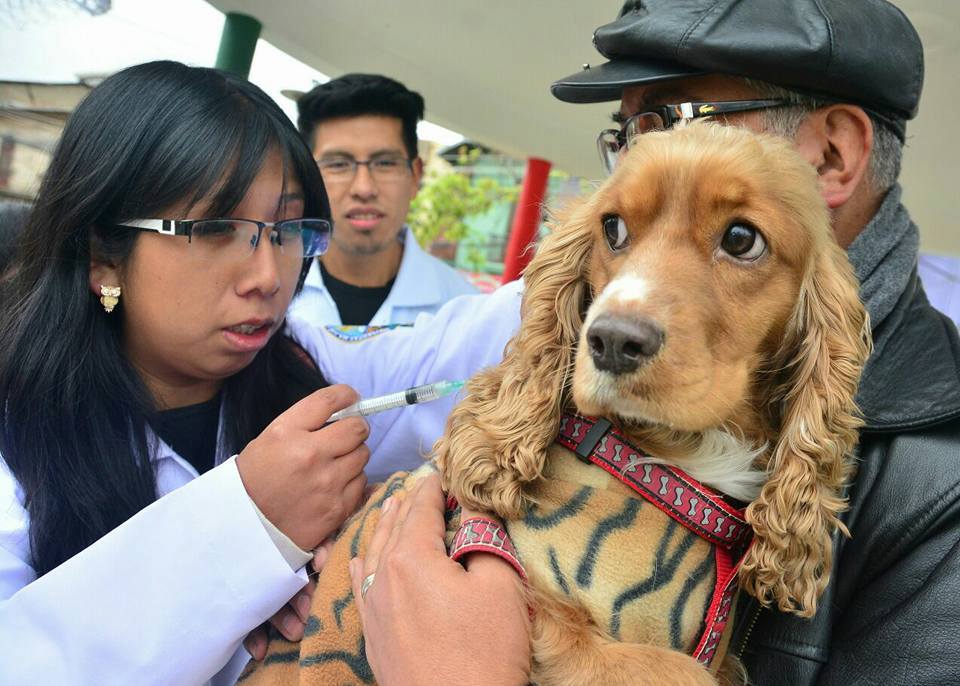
(699, 302)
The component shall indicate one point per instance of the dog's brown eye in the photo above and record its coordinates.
(615, 231)
(743, 242)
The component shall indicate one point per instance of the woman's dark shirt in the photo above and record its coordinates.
(192, 432)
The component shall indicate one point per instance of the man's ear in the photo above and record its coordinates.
(416, 167)
(837, 140)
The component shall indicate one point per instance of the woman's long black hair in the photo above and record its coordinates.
(75, 412)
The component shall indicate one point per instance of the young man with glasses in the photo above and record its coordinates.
(362, 129)
(843, 78)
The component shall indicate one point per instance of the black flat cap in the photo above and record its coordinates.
(864, 52)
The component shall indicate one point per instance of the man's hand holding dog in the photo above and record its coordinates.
(426, 618)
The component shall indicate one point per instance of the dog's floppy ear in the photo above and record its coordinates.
(825, 347)
(496, 439)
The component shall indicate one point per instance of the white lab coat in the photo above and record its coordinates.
(168, 596)
(423, 284)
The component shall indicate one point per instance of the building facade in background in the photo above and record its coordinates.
(32, 115)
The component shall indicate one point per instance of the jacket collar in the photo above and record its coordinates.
(912, 380)
(416, 284)
(417, 281)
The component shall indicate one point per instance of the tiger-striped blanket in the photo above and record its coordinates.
(644, 577)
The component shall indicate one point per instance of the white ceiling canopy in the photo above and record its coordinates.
(485, 69)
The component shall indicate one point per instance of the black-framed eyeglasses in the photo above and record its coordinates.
(228, 239)
(611, 142)
(386, 167)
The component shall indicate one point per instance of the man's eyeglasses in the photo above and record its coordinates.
(226, 240)
(611, 142)
(381, 167)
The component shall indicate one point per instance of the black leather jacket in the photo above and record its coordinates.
(891, 614)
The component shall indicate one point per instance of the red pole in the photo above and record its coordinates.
(526, 220)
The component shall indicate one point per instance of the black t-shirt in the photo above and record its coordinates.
(192, 432)
(356, 304)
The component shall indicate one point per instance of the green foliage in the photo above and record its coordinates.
(475, 259)
(446, 198)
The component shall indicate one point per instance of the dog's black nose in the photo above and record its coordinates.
(619, 346)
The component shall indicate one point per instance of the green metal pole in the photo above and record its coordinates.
(238, 43)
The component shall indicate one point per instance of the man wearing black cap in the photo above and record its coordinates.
(848, 76)
(840, 78)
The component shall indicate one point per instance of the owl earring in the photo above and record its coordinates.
(109, 297)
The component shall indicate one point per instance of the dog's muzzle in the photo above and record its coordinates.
(619, 345)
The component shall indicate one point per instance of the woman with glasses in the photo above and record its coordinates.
(165, 459)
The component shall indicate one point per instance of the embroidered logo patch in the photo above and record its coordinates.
(355, 334)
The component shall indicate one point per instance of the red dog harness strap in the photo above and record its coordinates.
(483, 535)
(678, 495)
(692, 504)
